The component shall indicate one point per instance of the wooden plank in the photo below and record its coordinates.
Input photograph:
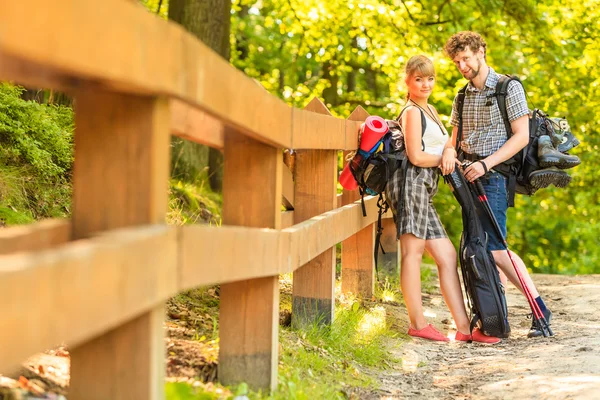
(358, 264)
(314, 283)
(120, 179)
(83, 289)
(38, 236)
(315, 130)
(243, 253)
(246, 253)
(249, 311)
(190, 123)
(352, 128)
(154, 57)
(287, 188)
(73, 46)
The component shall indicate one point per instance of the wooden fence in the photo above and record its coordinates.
(99, 281)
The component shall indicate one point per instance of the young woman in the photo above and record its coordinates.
(418, 225)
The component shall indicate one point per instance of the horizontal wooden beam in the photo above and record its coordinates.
(246, 253)
(313, 130)
(137, 53)
(86, 287)
(38, 236)
(72, 47)
(83, 288)
(311, 237)
(190, 123)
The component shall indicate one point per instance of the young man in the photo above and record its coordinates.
(485, 142)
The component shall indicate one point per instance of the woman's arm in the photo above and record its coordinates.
(449, 155)
(411, 121)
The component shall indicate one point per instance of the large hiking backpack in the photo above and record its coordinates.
(481, 280)
(518, 168)
(373, 169)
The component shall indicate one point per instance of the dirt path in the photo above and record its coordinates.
(566, 366)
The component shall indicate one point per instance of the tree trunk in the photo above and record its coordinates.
(241, 42)
(210, 21)
(372, 83)
(330, 94)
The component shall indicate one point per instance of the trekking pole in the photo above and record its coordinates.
(535, 308)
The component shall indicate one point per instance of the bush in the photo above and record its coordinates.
(36, 157)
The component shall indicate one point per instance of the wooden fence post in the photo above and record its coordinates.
(120, 179)
(315, 193)
(358, 264)
(249, 310)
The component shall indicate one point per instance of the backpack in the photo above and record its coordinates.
(481, 280)
(517, 168)
(372, 170)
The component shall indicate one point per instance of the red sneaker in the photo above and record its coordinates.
(477, 336)
(429, 332)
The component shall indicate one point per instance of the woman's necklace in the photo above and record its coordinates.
(432, 116)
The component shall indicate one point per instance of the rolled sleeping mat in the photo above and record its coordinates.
(374, 129)
(347, 179)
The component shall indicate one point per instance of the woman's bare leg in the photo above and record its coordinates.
(412, 249)
(444, 254)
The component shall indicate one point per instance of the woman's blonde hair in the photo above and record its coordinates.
(419, 64)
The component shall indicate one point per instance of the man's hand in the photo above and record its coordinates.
(474, 171)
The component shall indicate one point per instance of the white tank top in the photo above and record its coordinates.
(434, 138)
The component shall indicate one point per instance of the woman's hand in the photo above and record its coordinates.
(448, 161)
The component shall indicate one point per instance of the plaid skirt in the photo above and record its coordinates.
(417, 216)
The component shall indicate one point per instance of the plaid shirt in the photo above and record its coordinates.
(483, 128)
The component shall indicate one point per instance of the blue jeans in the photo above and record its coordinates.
(495, 186)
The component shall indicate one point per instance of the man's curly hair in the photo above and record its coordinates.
(461, 40)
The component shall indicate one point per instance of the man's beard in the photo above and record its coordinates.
(474, 72)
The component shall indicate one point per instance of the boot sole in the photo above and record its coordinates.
(558, 162)
(544, 179)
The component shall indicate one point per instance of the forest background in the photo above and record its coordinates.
(349, 53)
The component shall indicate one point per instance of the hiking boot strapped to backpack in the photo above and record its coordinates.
(533, 167)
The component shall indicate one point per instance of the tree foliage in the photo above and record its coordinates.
(351, 52)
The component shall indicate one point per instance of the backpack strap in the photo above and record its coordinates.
(501, 93)
(383, 207)
(460, 103)
(423, 124)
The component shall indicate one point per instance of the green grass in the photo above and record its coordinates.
(323, 362)
(10, 217)
(191, 203)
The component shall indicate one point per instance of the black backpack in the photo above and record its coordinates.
(518, 167)
(373, 169)
(485, 292)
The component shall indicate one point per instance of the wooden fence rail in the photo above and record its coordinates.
(99, 281)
